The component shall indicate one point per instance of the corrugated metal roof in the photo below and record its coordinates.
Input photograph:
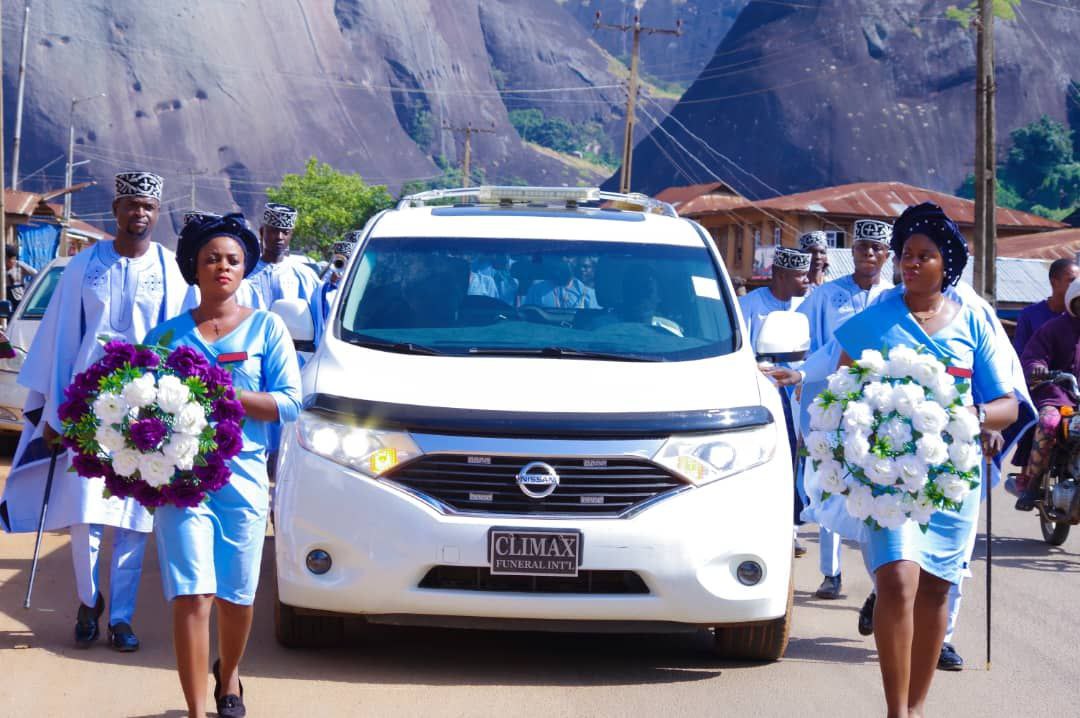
(1059, 244)
(712, 204)
(679, 195)
(16, 202)
(886, 200)
(1019, 281)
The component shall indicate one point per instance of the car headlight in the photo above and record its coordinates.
(369, 451)
(709, 457)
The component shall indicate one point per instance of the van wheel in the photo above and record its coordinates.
(764, 641)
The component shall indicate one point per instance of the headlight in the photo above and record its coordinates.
(701, 459)
(369, 451)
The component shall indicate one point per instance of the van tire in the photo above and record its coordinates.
(762, 641)
(294, 629)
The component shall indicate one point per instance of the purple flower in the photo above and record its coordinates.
(146, 359)
(215, 474)
(229, 441)
(183, 493)
(87, 466)
(185, 361)
(147, 495)
(73, 410)
(147, 434)
(119, 487)
(216, 377)
(117, 354)
(70, 444)
(227, 410)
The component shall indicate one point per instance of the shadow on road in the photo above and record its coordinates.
(1030, 554)
(832, 649)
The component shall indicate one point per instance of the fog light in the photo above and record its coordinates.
(749, 573)
(318, 562)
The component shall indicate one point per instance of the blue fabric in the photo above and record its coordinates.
(320, 307)
(38, 243)
(124, 573)
(216, 547)
(969, 342)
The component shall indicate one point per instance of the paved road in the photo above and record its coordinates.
(829, 670)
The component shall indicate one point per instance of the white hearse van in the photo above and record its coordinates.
(535, 409)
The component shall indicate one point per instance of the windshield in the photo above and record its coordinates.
(33, 307)
(579, 299)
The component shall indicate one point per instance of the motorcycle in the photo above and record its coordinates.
(1059, 505)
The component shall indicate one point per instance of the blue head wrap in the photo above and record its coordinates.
(201, 230)
(929, 219)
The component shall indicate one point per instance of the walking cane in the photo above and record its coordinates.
(41, 525)
(989, 554)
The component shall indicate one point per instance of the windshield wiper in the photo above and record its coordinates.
(557, 352)
(397, 347)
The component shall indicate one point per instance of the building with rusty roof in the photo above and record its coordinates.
(1058, 244)
(746, 231)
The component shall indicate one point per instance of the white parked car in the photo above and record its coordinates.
(534, 412)
(22, 326)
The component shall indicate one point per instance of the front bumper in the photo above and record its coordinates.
(12, 399)
(383, 542)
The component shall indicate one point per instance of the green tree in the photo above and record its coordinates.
(1038, 149)
(329, 203)
(1004, 9)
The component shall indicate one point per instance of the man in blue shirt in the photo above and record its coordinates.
(1062, 274)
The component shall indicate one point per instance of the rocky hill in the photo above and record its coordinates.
(223, 97)
(808, 94)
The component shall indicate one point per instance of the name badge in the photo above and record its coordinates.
(232, 357)
(959, 372)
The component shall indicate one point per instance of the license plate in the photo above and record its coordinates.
(534, 552)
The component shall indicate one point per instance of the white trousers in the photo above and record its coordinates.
(127, 558)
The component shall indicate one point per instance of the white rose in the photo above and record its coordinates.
(932, 449)
(964, 455)
(181, 450)
(858, 416)
(172, 394)
(954, 487)
(110, 408)
(929, 418)
(843, 382)
(831, 477)
(155, 469)
(926, 369)
(856, 448)
(873, 362)
(860, 502)
(901, 362)
(879, 396)
(911, 472)
(896, 431)
(109, 439)
(190, 419)
(882, 471)
(908, 398)
(819, 445)
(964, 425)
(921, 509)
(125, 462)
(824, 418)
(140, 392)
(888, 511)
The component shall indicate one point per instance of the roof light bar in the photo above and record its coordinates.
(569, 196)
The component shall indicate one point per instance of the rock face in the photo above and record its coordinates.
(665, 59)
(805, 95)
(223, 97)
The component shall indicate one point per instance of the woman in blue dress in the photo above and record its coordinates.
(210, 554)
(913, 570)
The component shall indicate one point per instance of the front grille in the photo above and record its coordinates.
(488, 484)
(469, 578)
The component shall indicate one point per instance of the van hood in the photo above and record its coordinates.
(533, 384)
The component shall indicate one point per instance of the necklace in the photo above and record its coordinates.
(924, 317)
(213, 325)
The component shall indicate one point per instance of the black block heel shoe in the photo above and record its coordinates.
(229, 705)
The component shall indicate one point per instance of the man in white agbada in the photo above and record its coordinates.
(119, 289)
(832, 304)
(275, 277)
(816, 244)
(328, 289)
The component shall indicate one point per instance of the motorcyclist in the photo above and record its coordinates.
(1052, 348)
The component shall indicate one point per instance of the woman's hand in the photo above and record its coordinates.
(781, 375)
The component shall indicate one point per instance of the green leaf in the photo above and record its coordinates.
(825, 495)
(924, 527)
(166, 339)
(106, 494)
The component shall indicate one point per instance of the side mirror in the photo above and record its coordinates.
(6, 310)
(297, 317)
(784, 337)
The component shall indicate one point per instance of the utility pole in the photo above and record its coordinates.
(193, 173)
(70, 170)
(19, 100)
(468, 131)
(985, 274)
(632, 89)
(3, 193)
